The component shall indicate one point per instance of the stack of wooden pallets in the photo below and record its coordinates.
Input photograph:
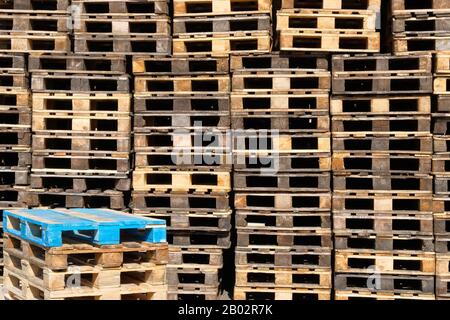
(221, 27)
(329, 25)
(83, 254)
(15, 135)
(182, 169)
(382, 200)
(122, 27)
(35, 26)
(282, 162)
(420, 26)
(81, 131)
(441, 171)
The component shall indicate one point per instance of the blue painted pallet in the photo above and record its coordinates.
(99, 226)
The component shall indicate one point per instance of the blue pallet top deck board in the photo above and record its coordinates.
(99, 226)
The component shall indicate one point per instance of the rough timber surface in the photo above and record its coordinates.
(187, 8)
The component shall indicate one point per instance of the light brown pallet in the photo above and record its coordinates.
(212, 84)
(442, 63)
(367, 295)
(291, 202)
(34, 43)
(279, 62)
(274, 293)
(220, 7)
(144, 65)
(442, 85)
(332, 4)
(425, 43)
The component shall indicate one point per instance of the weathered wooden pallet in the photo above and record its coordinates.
(423, 24)
(332, 4)
(329, 41)
(11, 159)
(192, 221)
(348, 162)
(79, 183)
(280, 221)
(262, 238)
(313, 162)
(345, 66)
(76, 64)
(368, 295)
(417, 184)
(382, 224)
(440, 144)
(442, 244)
(12, 63)
(16, 98)
(442, 287)
(368, 125)
(385, 283)
(385, 262)
(144, 202)
(283, 258)
(283, 201)
(27, 290)
(290, 122)
(223, 44)
(383, 84)
(15, 117)
(79, 83)
(194, 257)
(114, 8)
(129, 26)
(36, 23)
(425, 43)
(275, 293)
(280, 82)
(183, 103)
(194, 8)
(308, 182)
(407, 7)
(372, 241)
(190, 293)
(183, 160)
(112, 45)
(13, 197)
(9, 177)
(272, 102)
(441, 164)
(30, 6)
(12, 81)
(185, 26)
(181, 181)
(441, 220)
(326, 19)
(386, 143)
(193, 277)
(442, 85)
(367, 202)
(204, 84)
(143, 65)
(442, 185)
(442, 265)
(279, 62)
(442, 63)
(34, 43)
(82, 254)
(15, 139)
(387, 105)
(199, 239)
(257, 277)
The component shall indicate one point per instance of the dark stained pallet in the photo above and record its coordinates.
(79, 183)
(372, 241)
(199, 239)
(195, 257)
(10, 177)
(117, 8)
(10, 159)
(193, 277)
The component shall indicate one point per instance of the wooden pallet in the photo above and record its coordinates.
(186, 26)
(442, 85)
(332, 4)
(144, 65)
(13, 197)
(181, 181)
(223, 44)
(283, 258)
(34, 43)
(181, 103)
(442, 63)
(279, 62)
(183, 8)
(441, 186)
(151, 45)
(440, 224)
(257, 277)
(442, 285)
(443, 265)
(149, 121)
(9, 177)
(281, 221)
(193, 277)
(275, 293)
(367, 295)
(440, 164)
(190, 293)
(326, 19)
(184, 160)
(383, 224)
(12, 63)
(11, 81)
(401, 7)
(199, 239)
(10, 159)
(385, 143)
(17, 98)
(385, 262)
(371, 241)
(442, 244)
(374, 203)
(272, 81)
(204, 84)
(360, 162)
(15, 117)
(114, 8)
(15, 139)
(345, 41)
(440, 144)
(411, 284)
(417, 25)
(387, 105)
(425, 43)
(79, 183)
(36, 23)
(292, 202)
(29, 6)
(194, 257)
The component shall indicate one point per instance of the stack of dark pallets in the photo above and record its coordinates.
(420, 26)
(15, 135)
(329, 26)
(81, 132)
(183, 165)
(35, 26)
(83, 254)
(282, 162)
(382, 200)
(441, 171)
(122, 27)
(221, 27)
